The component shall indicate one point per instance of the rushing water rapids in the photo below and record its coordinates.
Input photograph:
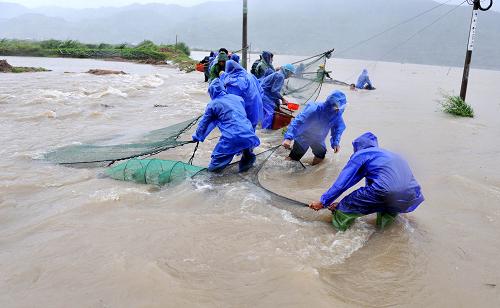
(71, 238)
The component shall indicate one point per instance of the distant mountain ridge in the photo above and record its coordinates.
(284, 26)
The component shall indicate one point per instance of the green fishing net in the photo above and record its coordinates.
(309, 77)
(94, 154)
(152, 171)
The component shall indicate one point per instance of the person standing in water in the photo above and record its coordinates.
(239, 82)
(390, 186)
(272, 86)
(310, 128)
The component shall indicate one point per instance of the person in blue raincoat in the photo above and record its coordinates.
(238, 82)
(364, 81)
(227, 112)
(390, 186)
(311, 126)
(265, 66)
(272, 86)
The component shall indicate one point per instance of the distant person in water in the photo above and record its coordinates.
(227, 112)
(310, 128)
(364, 81)
(390, 186)
(321, 73)
(206, 63)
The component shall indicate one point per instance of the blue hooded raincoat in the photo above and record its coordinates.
(226, 111)
(235, 58)
(312, 125)
(246, 86)
(272, 86)
(390, 185)
(364, 80)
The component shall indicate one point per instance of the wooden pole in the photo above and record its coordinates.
(244, 42)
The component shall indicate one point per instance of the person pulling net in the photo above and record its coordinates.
(89, 155)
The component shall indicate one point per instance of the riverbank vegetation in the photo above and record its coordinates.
(145, 52)
(7, 68)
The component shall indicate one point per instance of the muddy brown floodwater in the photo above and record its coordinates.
(69, 238)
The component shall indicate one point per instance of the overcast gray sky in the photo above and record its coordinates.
(100, 3)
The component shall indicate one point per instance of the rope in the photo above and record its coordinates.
(423, 29)
(190, 161)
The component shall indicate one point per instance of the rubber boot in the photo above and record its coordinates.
(342, 221)
(385, 219)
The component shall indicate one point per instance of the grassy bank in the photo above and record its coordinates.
(145, 52)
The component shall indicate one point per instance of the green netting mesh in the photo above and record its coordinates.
(306, 84)
(152, 171)
(152, 143)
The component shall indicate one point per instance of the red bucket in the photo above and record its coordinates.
(200, 67)
(293, 106)
(281, 119)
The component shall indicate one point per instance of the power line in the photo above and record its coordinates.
(422, 29)
(392, 28)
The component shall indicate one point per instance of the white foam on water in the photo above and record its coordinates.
(109, 91)
(346, 243)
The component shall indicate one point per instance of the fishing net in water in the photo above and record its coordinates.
(231, 175)
(306, 84)
(163, 172)
(152, 171)
(152, 143)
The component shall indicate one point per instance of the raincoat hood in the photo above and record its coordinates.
(216, 89)
(365, 141)
(233, 67)
(337, 98)
(235, 58)
(266, 55)
(221, 57)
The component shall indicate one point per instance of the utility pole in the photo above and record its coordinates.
(244, 41)
(176, 40)
(470, 44)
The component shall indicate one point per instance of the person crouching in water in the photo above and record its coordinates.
(227, 112)
(364, 81)
(272, 86)
(390, 186)
(311, 126)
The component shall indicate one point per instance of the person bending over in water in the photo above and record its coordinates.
(311, 126)
(390, 186)
(227, 112)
